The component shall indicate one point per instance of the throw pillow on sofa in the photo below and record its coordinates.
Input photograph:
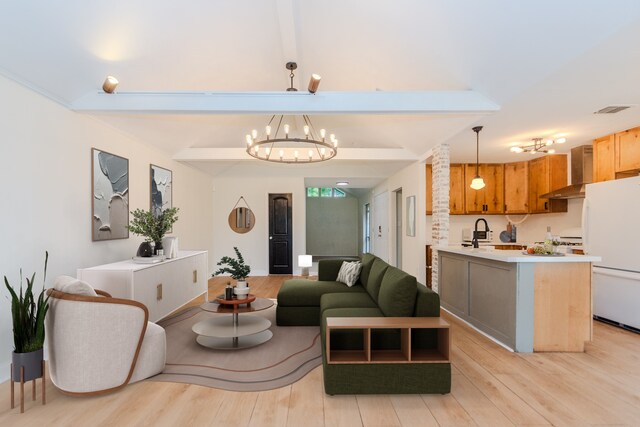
(349, 273)
(71, 285)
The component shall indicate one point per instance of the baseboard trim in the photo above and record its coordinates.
(4, 371)
(479, 331)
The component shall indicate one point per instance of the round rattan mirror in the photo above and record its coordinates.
(241, 220)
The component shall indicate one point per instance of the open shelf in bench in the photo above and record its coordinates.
(407, 352)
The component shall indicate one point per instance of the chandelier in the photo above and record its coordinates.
(279, 145)
(539, 145)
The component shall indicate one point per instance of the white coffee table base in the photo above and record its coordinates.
(230, 332)
(235, 343)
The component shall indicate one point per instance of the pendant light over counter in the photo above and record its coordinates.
(477, 183)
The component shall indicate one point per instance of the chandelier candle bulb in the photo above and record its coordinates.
(310, 153)
(281, 154)
(268, 150)
(249, 140)
(286, 130)
(295, 154)
(254, 134)
(268, 130)
(306, 130)
(323, 133)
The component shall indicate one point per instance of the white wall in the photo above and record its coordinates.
(412, 181)
(45, 170)
(254, 245)
(332, 226)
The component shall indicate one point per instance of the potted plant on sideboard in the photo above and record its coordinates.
(28, 328)
(152, 228)
(235, 267)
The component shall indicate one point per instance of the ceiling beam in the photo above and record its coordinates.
(379, 102)
(235, 154)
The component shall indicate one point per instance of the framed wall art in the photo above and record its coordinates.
(110, 196)
(161, 189)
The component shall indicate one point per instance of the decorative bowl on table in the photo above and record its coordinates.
(241, 292)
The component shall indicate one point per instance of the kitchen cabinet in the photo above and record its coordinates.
(546, 174)
(627, 150)
(490, 199)
(456, 189)
(604, 165)
(516, 188)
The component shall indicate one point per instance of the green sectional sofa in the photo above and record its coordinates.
(382, 291)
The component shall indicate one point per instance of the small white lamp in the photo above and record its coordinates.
(305, 261)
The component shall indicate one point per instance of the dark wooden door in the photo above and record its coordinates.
(280, 234)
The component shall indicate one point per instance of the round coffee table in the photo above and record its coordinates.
(234, 332)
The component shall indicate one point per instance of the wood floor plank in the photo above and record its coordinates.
(377, 411)
(235, 409)
(516, 409)
(272, 408)
(598, 387)
(341, 411)
(481, 409)
(412, 411)
(306, 407)
(447, 411)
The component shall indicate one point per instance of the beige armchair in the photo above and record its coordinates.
(98, 344)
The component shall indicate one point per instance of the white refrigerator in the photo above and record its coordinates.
(611, 229)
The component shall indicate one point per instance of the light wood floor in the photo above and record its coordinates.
(491, 387)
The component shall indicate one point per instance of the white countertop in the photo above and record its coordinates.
(515, 256)
(129, 265)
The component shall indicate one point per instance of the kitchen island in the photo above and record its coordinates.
(526, 302)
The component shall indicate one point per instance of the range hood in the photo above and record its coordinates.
(581, 175)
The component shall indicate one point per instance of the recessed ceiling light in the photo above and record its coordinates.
(342, 183)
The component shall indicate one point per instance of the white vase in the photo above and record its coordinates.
(241, 283)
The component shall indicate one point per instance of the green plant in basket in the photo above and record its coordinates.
(235, 267)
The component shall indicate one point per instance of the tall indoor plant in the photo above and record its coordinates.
(28, 327)
(152, 227)
(235, 267)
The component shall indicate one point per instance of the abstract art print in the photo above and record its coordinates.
(110, 194)
(161, 189)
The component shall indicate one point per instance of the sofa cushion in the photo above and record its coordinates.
(397, 297)
(376, 273)
(427, 302)
(307, 293)
(343, 300)
(367, 262)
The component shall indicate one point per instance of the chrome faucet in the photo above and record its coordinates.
(474, 241)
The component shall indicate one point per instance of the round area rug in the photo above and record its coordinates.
(288, 356)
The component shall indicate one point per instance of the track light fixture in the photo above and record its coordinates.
(110, 84)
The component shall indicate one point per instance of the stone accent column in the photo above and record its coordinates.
(440, 196)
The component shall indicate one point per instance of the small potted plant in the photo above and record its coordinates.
(235, 267)
(28, 327)
(152, 228)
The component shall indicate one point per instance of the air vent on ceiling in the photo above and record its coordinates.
(612, 109)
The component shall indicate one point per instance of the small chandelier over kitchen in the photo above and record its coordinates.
(279, 145)
(539, 145)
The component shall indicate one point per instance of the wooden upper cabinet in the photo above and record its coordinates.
(627, 150)
(604, 164)
(546, 174)
(428, 196)
(516, 188)
(456, 189)
(490, 199)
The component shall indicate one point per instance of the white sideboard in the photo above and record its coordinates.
(162, 287)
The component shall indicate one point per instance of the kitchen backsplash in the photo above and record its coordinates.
(531, 230)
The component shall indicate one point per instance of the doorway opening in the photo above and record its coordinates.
(398, 239)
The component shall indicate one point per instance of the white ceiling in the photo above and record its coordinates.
(548, 64)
